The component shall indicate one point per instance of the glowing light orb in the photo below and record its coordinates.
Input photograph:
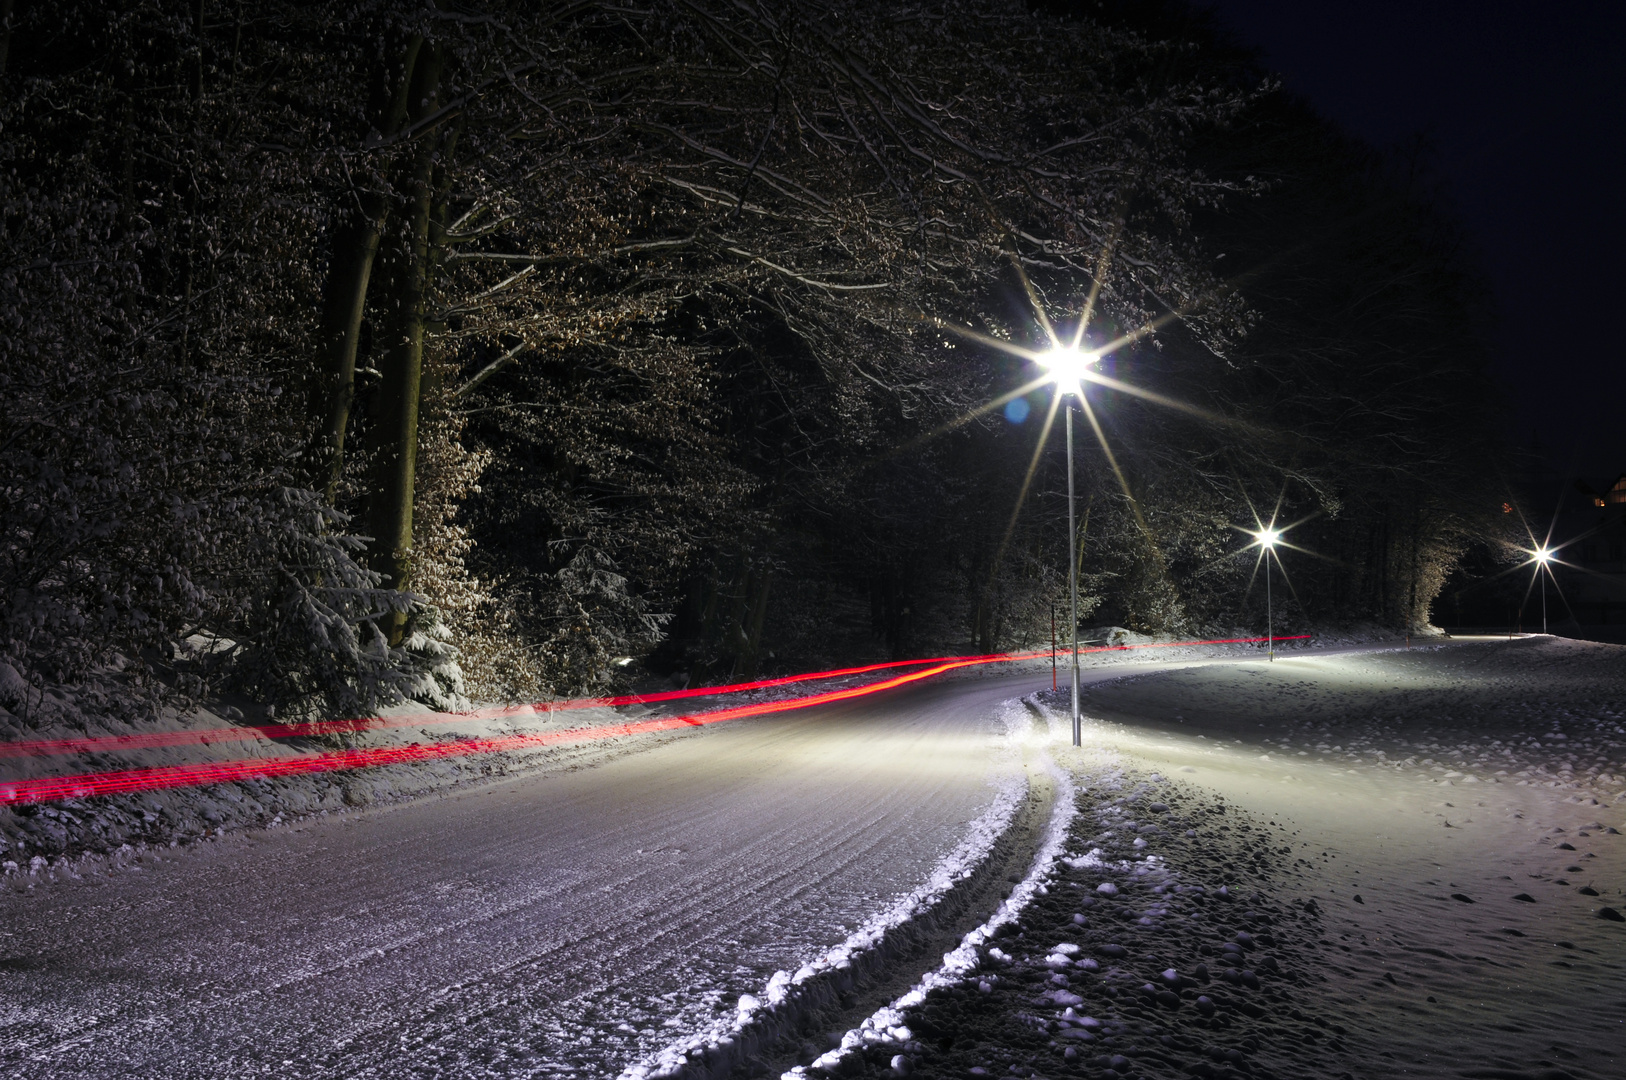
(1069, 366)
(1543, 556)
(1268, 537)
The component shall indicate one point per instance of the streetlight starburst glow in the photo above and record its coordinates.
(1069, 367)
(1265, 538)
(1543, 557)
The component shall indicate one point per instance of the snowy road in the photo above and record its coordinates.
(551, 924)
(572, 923)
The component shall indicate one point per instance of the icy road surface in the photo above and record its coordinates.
(546, 925)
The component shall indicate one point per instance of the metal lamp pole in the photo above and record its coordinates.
(1270, 612)
(1067, 366)
(1266, 539)
(1072, 572)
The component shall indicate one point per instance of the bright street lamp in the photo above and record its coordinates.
(1267, 540)
(1068, 366)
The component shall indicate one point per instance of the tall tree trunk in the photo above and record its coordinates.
(1412, 622)
(760, 581)
(188, 249)
(401, 391)
(434, 377)
(713, 593)
(5, 33)
(1385, 558)
(355, 249)
(197, 59)
(737, 642)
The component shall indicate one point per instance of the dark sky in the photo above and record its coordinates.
(1524, 105)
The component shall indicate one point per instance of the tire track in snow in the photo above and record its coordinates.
(760, 1019)
(886, 1024)
(514, 922)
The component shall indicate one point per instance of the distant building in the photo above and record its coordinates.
(1591, 538)
(1616, 494)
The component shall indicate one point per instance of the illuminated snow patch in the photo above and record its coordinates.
(887, 1025)
(959, 864)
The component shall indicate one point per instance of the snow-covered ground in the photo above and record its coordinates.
(61, 835)
(564, 922)
(653, 907)
(74, 833)
(1406, 863)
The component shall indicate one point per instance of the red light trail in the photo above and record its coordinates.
(124, 781)
(207, 736)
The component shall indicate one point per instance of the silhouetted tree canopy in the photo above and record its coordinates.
(437, 349)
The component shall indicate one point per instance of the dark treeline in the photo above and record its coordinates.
(479, 347)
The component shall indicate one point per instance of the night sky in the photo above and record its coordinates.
(1524, 105)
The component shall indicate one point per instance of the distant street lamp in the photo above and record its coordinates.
(1067, 367)
(1543, 557)
(1268, 538)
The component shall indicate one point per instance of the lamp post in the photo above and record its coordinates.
(1072, 573)
(1067, 367)
(1543, 557)
(1267, 540)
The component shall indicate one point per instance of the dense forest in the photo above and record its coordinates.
(497, 350)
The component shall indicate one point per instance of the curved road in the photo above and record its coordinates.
(571, 923)
(544, 925)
